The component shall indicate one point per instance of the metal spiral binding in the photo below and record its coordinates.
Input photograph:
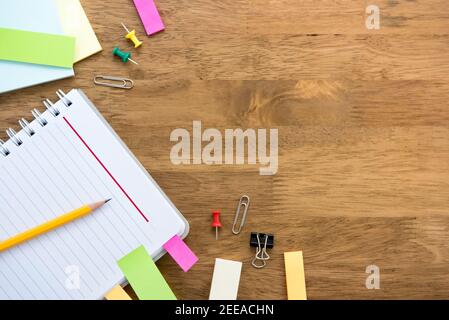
(38, 116)
(12, 134)
(25, 125)
(61, 95)
(3, 150)
(51, 107)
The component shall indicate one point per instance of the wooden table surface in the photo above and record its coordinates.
(363, 134)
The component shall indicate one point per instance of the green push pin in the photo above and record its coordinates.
(125, 56)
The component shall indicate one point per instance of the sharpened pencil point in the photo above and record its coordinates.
(108, 200)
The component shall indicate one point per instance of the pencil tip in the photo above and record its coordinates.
(108, 200)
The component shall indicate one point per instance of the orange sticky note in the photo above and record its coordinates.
(294, 274)
(117, 293)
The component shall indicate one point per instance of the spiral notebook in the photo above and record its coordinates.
(66, 157)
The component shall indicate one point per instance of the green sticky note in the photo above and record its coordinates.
(36, 47)
(144, 277)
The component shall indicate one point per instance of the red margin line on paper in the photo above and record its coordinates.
(106, 169)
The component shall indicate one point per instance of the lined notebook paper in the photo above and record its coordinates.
(76, 158)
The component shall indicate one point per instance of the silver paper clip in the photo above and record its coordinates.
(114, 82)
(243, 203)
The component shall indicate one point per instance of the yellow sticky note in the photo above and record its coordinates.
(117, 293)
(294, 274)
(74, 22)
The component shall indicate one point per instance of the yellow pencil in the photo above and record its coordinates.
(50, 225)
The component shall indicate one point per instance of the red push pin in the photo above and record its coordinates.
(216, 223)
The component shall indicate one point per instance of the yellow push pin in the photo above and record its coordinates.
(132, 36)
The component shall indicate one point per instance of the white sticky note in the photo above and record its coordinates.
(225, 280)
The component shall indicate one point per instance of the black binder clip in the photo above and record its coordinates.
(262, 242)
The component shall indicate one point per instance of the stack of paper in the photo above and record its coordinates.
(57, 17)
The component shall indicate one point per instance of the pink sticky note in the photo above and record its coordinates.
(149, 15)
(181, 253)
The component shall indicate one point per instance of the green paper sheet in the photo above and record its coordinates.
(36, 47)
(144, 277)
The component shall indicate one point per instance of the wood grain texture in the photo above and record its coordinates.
(363, 137)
